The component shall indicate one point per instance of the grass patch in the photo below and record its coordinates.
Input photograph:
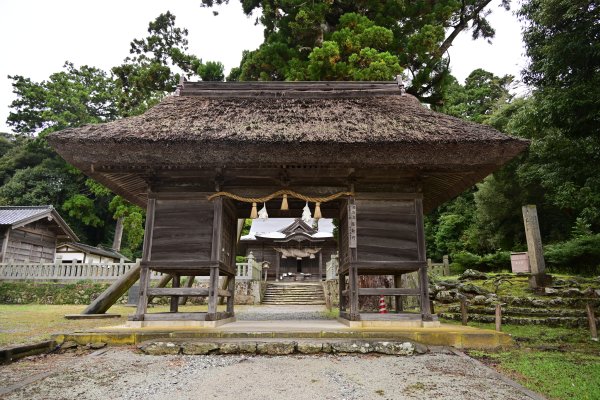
(559, 375)
(32, 323)
(332, 313)
(561, 363)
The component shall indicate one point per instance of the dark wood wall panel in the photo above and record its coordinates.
(386, 230)
(182, 230)
(32, 243)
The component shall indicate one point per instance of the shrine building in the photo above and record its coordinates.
(363, 153)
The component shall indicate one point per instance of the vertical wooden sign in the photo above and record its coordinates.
(352, 225)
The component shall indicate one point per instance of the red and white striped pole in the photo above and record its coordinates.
(382, 306)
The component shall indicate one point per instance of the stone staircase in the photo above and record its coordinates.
(566, 312)
(294, 294)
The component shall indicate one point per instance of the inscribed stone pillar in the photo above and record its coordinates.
(534, 248)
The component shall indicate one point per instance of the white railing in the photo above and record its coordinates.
(66, 272)
(249, 270)
(441, 269)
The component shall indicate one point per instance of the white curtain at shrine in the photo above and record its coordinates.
(297, 253)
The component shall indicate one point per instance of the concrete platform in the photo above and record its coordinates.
(457, 336)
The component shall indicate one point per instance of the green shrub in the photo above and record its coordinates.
(29, 292)
(580, 255)
(493, 262)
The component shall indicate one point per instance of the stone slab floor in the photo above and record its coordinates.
(123, 373)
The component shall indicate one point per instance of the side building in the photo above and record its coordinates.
(74, 253)
(31, 234)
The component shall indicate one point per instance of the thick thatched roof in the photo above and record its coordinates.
(330, 124)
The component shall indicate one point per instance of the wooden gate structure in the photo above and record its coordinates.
(197, 160)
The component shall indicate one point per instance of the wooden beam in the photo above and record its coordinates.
(146, 257)
(184, 291)
(114, 292)
(390, 266)
(185, 316)
(200, 265)
(388, 292)
(188, 284)
(163, 282)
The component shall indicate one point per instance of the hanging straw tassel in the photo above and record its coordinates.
(284, 203)
(318, 215)
(254, 212)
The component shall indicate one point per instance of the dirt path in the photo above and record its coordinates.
(121, 373)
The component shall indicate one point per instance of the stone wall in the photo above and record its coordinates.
(29, 292)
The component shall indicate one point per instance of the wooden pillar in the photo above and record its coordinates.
(213, 285)
(535, 250)
(341, 288)
(352, 271)
(175, 299)
(398, 299)
(321, 265)
(231, 298)
(423, 278)
(146, 257)
(277, 264)
(213, 291)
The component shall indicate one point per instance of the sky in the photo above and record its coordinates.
(38, 36)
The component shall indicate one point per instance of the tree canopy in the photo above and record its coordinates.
(361, 40)
(33, 174)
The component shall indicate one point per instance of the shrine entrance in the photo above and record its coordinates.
(364, 153)
(295, 249)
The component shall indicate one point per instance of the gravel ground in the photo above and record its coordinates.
(122, 373)
(281, 312)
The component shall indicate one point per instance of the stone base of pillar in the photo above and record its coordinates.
(537, 281)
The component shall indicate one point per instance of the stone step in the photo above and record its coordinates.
(294, 293)
(277, 347)
(569, 322)
(294, 301)
(549, 302)
(277, 298)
